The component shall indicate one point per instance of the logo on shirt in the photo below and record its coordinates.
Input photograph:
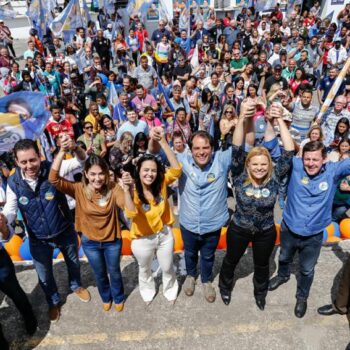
(323, 186)
(23, 200)
(265, 192)
(49, 196)
(211, 177)
(305, 180)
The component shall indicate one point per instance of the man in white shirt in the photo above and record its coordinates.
(337, 55)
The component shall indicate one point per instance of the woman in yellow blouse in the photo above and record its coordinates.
(148, 207)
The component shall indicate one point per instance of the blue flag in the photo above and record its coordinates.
(109, 6)
(39, 14)
(167, 99)
(23, 115)
(211, 127)
(85, 13)
(69, 19)
(6, 11)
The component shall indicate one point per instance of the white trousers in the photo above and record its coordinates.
(161, 244)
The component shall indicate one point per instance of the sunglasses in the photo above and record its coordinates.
(88, 127)
(231, 112)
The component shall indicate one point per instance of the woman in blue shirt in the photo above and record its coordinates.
(256, 187)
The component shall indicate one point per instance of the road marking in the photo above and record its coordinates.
(177, 333)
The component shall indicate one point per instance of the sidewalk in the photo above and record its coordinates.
(191, 324)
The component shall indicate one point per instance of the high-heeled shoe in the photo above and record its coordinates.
(226, 298)
(261, 303)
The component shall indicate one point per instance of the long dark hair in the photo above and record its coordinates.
(139, 137)
(337, 134)
(89, 163)
(157, 183)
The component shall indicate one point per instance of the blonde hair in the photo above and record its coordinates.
(258, 151)
(273, 89)
(229, 106)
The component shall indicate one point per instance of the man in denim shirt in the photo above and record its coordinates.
(203, 204)
(311, 191)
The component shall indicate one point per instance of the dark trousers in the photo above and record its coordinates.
(205, 244)
(238, 239)
(9, 285)
(309, 248)
(342, 300)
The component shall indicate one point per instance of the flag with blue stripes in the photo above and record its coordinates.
(167, 99)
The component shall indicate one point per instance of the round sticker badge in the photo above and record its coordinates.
(23, 200)
(49, 196)
(323, 186)
(249, 192)
(257, 194)
(305, 180)
(265, 192)
(211, 177)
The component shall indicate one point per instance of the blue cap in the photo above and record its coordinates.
(177, 40)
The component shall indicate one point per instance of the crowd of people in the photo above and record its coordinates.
(199, 106)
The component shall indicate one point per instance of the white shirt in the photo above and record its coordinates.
(10, 209)
(332, 55)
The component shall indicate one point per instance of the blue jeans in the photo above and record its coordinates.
(205, 244)
(104, 258)
(42, 250)
(309, 248)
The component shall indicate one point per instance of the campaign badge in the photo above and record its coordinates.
(265, 192)
(249, 192)
(23, 200)
(257, 194)
(211, 177)
(49, 196)
(305, 180)
(323, 186)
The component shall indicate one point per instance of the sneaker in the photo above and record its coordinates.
(209, 292)
(54, 313)
(107, 306)
(83, 294)
(189, 285)
(119, 307)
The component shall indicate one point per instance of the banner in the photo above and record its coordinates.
(69, 19)
(7, 11)
(108, 6)
(85, 13)
(23, 114)
(113, 96)
(266, 5)
(39, 14)
(333, 92)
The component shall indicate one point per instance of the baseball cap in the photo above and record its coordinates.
(177, 41)
(278, 67)
(109, 25)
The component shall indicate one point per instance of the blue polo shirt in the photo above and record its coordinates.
(203, 192)
(309, 204)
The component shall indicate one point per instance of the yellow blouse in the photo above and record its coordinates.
(151, 218)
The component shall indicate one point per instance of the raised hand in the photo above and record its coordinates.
(127, 181)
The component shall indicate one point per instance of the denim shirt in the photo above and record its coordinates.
(310, 198)
(203, 192)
